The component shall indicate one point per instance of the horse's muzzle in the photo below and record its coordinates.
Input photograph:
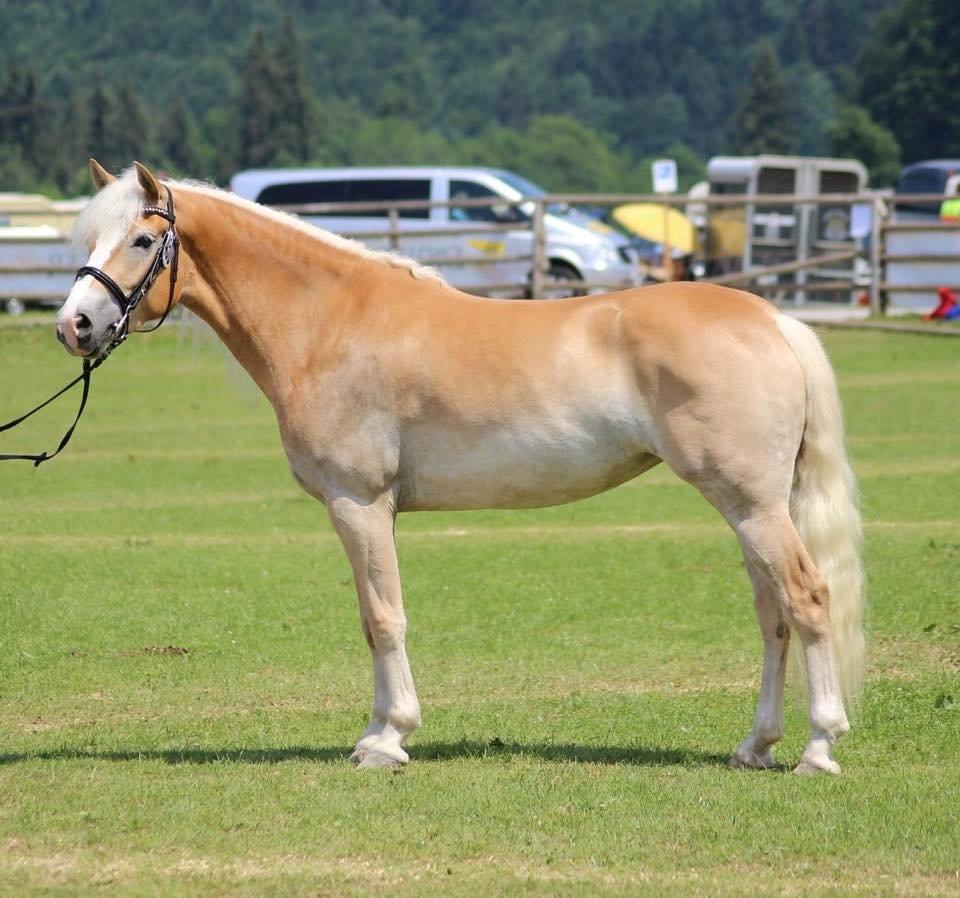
(75, 332)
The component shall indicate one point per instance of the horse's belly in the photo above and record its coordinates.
(519, 466)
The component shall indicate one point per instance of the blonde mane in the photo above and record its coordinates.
(120, 204)
(116, 208)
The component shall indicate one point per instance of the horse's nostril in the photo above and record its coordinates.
(83, 323)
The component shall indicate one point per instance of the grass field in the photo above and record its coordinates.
(182, 672)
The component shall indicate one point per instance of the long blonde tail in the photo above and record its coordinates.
(824, 505)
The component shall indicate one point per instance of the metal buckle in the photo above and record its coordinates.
(166, 248)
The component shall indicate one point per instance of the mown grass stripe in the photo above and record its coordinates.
(493, 531)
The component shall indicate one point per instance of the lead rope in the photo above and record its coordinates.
(167, 255)
(44, 456)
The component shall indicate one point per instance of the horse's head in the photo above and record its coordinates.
(130, 275)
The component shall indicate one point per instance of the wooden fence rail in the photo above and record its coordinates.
(43, 269)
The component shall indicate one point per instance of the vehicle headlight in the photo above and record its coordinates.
(605, 256)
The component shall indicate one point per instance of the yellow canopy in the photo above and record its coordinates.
(647, 220)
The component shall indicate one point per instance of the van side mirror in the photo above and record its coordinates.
(506, 214)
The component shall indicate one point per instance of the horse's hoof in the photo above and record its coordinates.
(358, 755)
(748, 760)
(812, 766)
(375, 760)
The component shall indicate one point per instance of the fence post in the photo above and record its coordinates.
(394, 228)
(803, 213)
(877, 239)
(538, 275)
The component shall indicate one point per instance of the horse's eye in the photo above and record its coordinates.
(144, 241)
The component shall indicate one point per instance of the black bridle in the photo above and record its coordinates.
(168, 256)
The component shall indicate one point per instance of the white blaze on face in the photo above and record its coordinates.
(89, 310)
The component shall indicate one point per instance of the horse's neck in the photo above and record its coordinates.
(258, 284)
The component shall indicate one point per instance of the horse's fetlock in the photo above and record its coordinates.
(766, 732)
(840, 727)
(405, 719)
(831, 723)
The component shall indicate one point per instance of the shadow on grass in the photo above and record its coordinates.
(426, 751)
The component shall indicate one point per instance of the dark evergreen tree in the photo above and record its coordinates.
(763, 122)
(69, 147)
(177, 141)
(258, 134)
(909, 75)
(25, 123)
(293, 105)
(128, 129)
(813, 106)
(98, 141)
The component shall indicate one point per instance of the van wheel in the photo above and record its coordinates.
(559, 274)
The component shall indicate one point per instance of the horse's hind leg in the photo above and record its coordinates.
(366, 530)
(757, 749)
(780, 564)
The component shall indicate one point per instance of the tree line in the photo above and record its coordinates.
(575, 102)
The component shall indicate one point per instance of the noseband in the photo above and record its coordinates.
(168, 256)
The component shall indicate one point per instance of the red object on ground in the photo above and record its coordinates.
(948, 301)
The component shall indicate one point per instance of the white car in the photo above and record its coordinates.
(579, 247)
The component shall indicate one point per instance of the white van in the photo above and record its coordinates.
(579, 247)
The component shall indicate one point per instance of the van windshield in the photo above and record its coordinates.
(528, 188)
(521, 185)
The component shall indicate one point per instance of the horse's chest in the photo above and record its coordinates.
(356, 455)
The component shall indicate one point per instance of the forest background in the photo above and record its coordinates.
(575, 94)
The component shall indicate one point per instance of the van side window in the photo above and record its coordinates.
(350, 191)
(387, 189)
(302, 192)
(463, 190)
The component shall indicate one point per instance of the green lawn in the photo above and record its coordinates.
(584, 671)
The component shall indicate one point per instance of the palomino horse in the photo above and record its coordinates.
(395, 392)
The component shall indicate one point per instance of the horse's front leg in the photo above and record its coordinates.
(366, 530)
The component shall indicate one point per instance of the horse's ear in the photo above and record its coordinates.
(150, 185)
(101, 177)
